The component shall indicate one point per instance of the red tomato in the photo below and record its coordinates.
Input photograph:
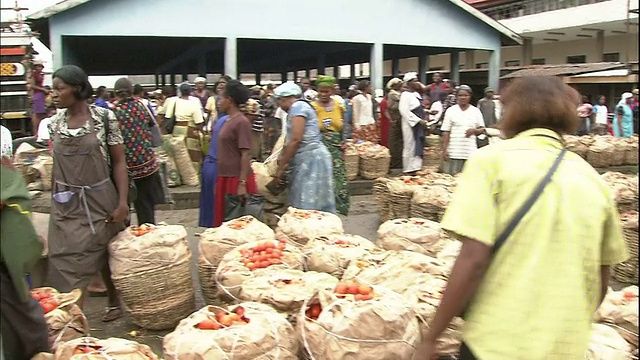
(275, 261)
(341, 288)
(358, 297)
(269, 250)
(277, 252)
(239, 310)
(208, 324)
(365, 289)
(367, 297)
(264, 264)
(251, 266)
(270, 245)
(282, 246)
(315, 310)
(353, 289)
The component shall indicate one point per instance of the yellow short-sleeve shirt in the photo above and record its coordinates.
(330, 118)
(538, 296)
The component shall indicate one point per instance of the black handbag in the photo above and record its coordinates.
(133, 190)
(171, 123)
(504, 235)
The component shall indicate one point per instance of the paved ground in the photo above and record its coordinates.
(363, 221)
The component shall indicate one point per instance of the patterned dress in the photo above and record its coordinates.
(395, 133)
(330, 121)
(311, 177)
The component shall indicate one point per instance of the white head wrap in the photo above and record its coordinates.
(287, 89)
(410, 76)
(200, 79)
(311, 95)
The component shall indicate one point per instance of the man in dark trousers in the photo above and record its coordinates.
(24, 332)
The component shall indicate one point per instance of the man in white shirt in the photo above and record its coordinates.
(6, 142)
(601, 114)
(410, 100)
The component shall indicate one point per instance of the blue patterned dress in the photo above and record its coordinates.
(311, 178)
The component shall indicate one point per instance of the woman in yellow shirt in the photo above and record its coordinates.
(331, 122)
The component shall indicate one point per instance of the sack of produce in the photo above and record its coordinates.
(600, 154)
(240, 264)
(374, 160)
(43, 166)
(607, 344)
(399, 195)
(448, 255)
(300, 226)
(284, 289)
(188, 173)
(620, 308)
(248, 331)
(419, 235)
(620, 147)
(149, 260)
(357, 321)
(574, 144)
(430, 202)
(216, 242)
(88, 348)
(64, 318)
(332, 253)
(631, 156)
(395, 270)
(173, 175)
(263, 177)
(625, 189)
(351, 161)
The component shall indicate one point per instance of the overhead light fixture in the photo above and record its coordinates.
(550, 40)
(584, 36)
(555, 33)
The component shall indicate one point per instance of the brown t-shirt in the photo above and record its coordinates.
(234, 136)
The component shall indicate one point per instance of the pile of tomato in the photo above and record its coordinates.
(240, 224)
(263, 254)
(359, 292)
(223, 319)
(313, 312)
(86, 349)
(141, 230)
(46, 300)
(342, 243)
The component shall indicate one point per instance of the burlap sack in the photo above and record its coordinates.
(620, 148)
(607, 344)
(300, 226)
(620, 308)
(43, 165)
(284, 289)
(625, 189)
(385, 328)
(600, 154)
(263, 177)
(331, 254)
(67, 321)
(109, 349)
(448, 255)
(395, 270)
(216, 242)
(268, 335)
(231, 272)
(419, 235)
(165, 245)
(173, 175)
(573, 143)
(188, 173)
(631, 156)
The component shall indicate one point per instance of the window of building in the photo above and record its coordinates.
(539, 61)
(577, 59)
(611, 57)
(512, 63)
(482, 65)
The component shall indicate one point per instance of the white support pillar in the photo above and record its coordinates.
(231, 57)
(454, 72)
(600, 46)
(56, 51)
(527, 51)
(377, 66)
(494, 69)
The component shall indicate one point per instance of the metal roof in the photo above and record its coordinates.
(563, 70)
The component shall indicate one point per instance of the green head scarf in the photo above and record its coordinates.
(325, 80)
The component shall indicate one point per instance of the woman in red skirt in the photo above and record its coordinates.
(234, 150)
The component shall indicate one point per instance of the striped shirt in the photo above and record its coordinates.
(258, 124)
(457, 122)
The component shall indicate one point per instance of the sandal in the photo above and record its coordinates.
(112, 313)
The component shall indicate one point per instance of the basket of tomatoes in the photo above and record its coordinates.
(246, 331)
(332, 253)
(88, 348)
(301, 226)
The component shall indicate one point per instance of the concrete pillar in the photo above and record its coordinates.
(494, 69)
(336, 72)
(202, 66)
(231, 57)
(163, 79)
(600, 46)
(352, 73)
(377, 66)
(469, 59)
(284, 76)
(423, 67)
(454, 72)
(307, 73)
(395, 67)
(527, 51)
(258, 78)
(322, 64)
(56, 50)
(172, 78)
(184, 70)
(156, 77)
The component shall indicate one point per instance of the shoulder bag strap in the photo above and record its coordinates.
(528, 204)
(105, 121)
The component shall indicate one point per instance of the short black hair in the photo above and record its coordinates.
(75, 76)
(237, 92)
(101, 90)
(138, 89)
(168, 90)
(362, 85)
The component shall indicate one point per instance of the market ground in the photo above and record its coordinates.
(362, 220)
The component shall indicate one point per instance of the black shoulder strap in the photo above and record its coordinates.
(528, 204)
(105, 123)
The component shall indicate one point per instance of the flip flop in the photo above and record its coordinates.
(111, 314)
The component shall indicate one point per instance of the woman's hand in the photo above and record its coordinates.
(426, 351)
(119, 214)
(279, 175)
(242, 190)
(445, 155)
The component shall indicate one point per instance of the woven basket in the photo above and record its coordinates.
(618, 158)
(433, 141)
(631, 156)
(432, 157)
(352, 165)
(374, 168)
(426, 211)
(599, 159)
(206, 273)
(380, 193)
(400, 205)
(627, 272)
(158, 299)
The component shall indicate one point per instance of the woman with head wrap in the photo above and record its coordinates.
(90, 187)
(331, 122)
(364, 124)
(311, 176)
(189, 122)
(463, 122)
(201, 91)
(623, 120)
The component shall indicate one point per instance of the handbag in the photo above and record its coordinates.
(234, 207)
(156, 136)
(133, 190)
(524, 209)
(171, 123)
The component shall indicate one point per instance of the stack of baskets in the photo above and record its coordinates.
(374, 160)
(426, 211)
(351, 163)
(400, 202)
(627, 272)
(380, 192)
(432, 156)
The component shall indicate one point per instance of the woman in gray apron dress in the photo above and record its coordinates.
(88, 209)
